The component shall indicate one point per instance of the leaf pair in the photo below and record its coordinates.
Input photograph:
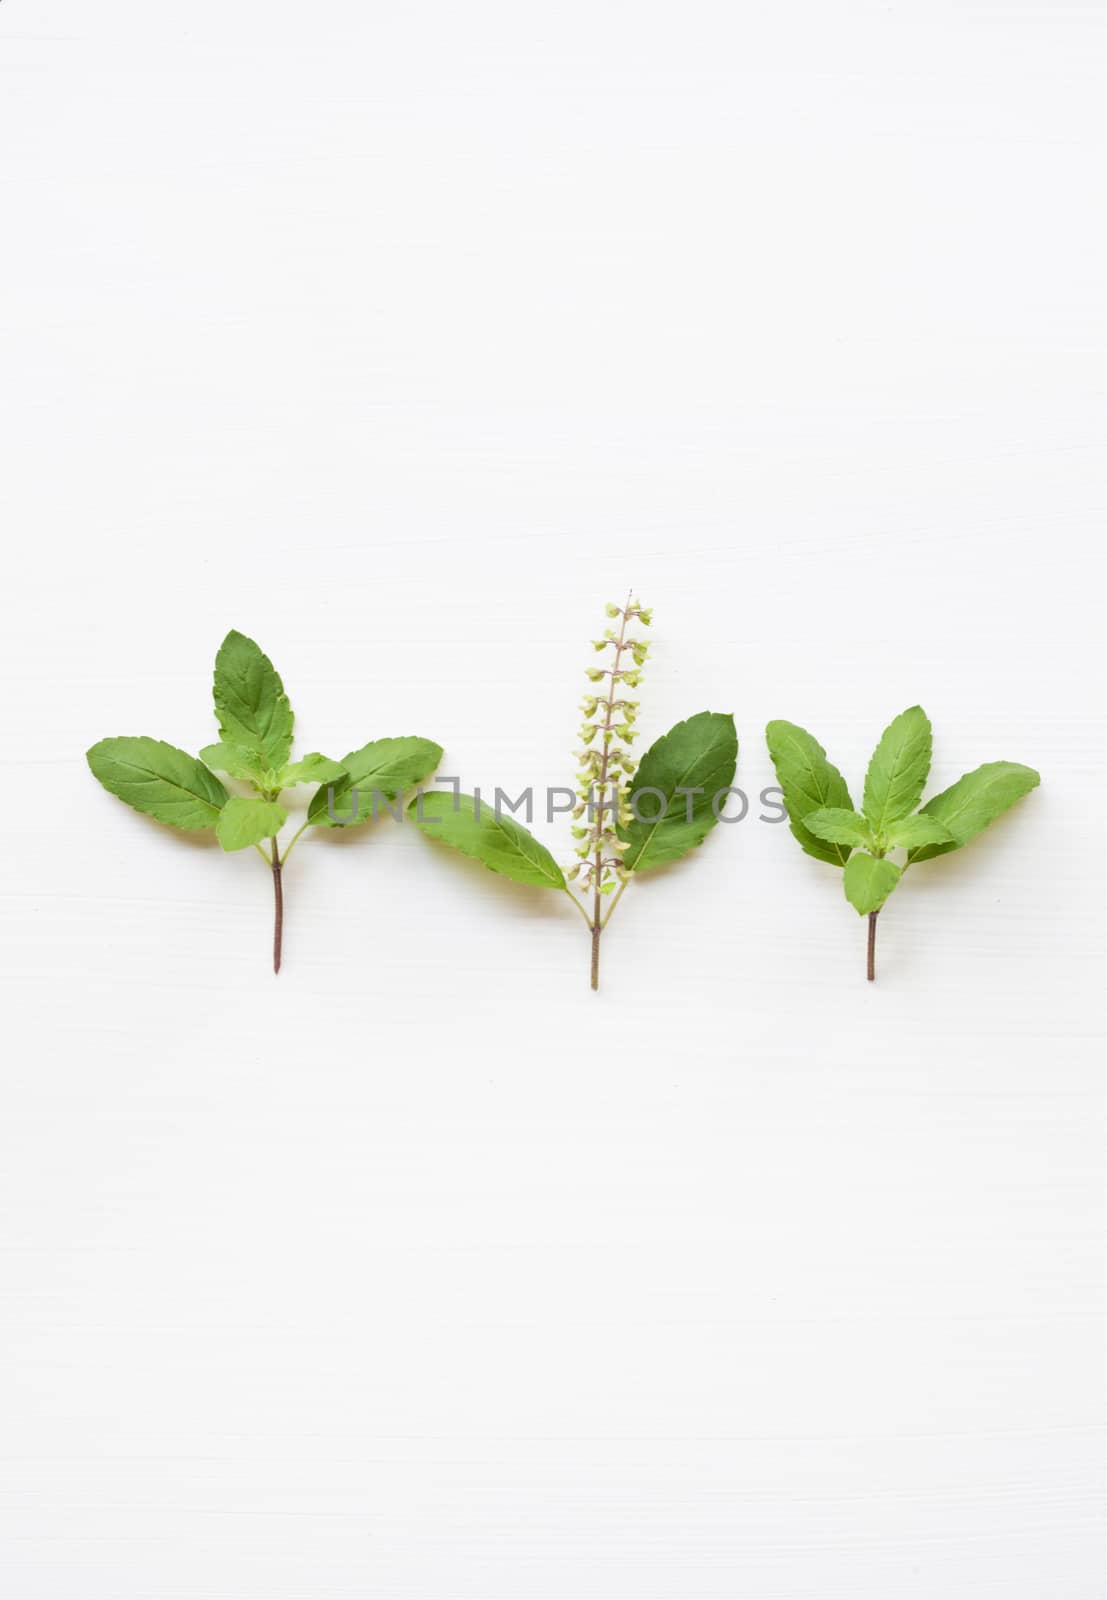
(700, 753)
(254, 747)
(823, 818)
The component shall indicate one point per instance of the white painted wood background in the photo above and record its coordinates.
(402, 338)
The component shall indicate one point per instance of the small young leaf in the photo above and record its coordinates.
(244, 822)
(384, 767)
(160, 780)
(233, 760)
(967, 806)
(699, 754)
(910, 833)
(838, 826)
(500, 843)
(250, 703)
(898, 769)
(869, 881)
(809, 782)
(313, 768)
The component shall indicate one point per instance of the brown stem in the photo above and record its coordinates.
(596, 931)
(870, 971)
(278, 907)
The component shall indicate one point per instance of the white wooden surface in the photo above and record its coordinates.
(402, 338)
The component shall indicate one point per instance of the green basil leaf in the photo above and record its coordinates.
(244, 822)
(251, 706)
(969, 805)
(500, 843)
(809, 782)
(836, 825)
(160, 780)
(898, 769)
(384, 767)
(869, 881)
(233, 760)
(698, 754)
(312, 768)
(910, 833)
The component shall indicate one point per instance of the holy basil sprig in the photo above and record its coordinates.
(628, 818)
(254, 747)
(824, 820)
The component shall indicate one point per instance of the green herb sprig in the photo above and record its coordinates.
(824, 821)
(254, 747)
(617, 838)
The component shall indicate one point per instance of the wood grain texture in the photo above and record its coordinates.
(401, 341)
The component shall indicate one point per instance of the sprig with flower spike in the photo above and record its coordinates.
(685, 772)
